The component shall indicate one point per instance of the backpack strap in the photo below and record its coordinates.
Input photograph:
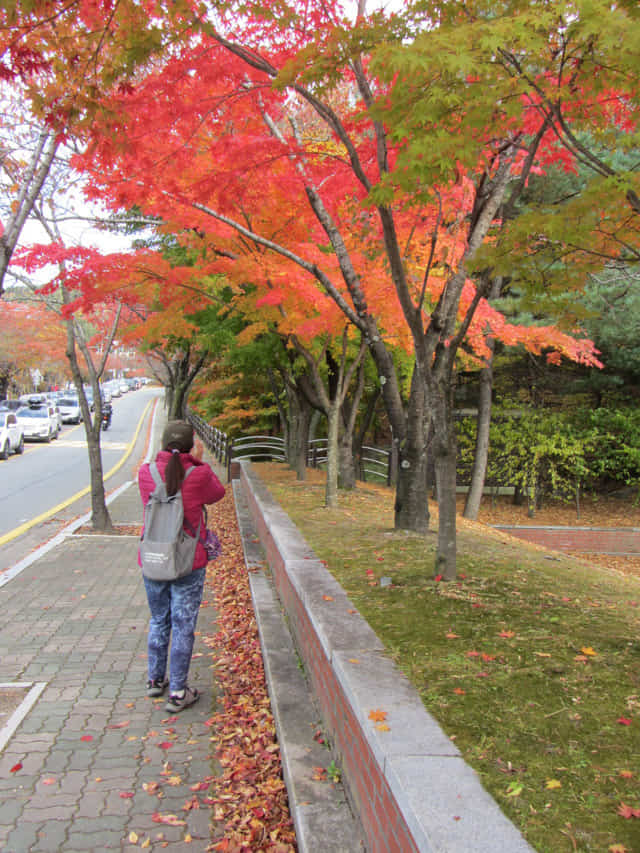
(155, 473)
(187, 523)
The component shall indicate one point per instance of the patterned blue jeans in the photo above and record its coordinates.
(174, 609)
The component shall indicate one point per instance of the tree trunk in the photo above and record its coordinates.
(346, 461)
(365, 422)
(411, 510)
(348, 414)
(481, 456)
(299, 425)
(411, 504)
(178, 407)
(313, 426)
(180, 373)
(333, 427)
(30, 186)
(479, 472)
(444, 450)
(100, 518)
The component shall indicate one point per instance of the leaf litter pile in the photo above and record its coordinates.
(530, 660)
(250, 798)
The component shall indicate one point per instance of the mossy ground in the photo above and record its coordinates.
(530, 660)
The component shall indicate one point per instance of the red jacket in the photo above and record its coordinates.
(201, 487)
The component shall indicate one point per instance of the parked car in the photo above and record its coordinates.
(11, 434)
(12, 405)
(70, 410)
(34, 399)
(39, 423)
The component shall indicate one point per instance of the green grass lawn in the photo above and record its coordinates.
(530, 661)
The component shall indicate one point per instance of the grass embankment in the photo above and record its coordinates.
(530, 660)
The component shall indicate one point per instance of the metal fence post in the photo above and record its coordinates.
(229, 454)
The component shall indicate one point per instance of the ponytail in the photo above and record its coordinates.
(174, 472)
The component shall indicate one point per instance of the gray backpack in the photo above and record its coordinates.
(166, 550)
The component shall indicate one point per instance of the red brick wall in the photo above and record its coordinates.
(383, 822)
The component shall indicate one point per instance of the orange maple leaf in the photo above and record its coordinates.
(378, 716)
(507, 634)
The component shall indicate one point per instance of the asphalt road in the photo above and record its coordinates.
(49, 475)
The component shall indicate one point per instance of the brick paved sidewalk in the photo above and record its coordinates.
(95, 759)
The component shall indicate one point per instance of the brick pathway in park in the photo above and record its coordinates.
(94, 762)
(589, 540)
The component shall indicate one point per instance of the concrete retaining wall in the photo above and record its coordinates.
(406, 780)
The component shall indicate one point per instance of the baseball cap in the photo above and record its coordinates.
(179, 434)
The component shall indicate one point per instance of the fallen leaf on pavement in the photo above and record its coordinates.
(169, 819)
(378, 716)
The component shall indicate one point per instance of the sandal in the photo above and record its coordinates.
(177, 703)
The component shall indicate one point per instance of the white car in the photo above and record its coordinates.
(70, 410)
(11, 434)
(39, 423)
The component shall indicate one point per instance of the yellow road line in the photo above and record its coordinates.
(18, 531)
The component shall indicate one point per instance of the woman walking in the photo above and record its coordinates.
(174, 604)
